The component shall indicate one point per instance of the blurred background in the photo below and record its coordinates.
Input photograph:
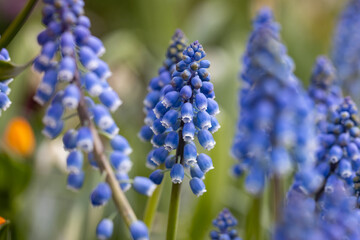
(33, 194)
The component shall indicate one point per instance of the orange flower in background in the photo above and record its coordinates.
(2, 221)
(19, 137)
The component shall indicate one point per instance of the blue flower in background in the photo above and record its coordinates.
(346, 48)
(299, 220)
(325, 94)
(333, 217)
(225, 222)
(179, 110)
(275, 131)
(4, 85)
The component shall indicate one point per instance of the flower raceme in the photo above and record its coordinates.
(334, 216)
(346, 47)
(72, 68)
(173, 55)
(275, 132)
(339, 151)
(225, 222)
(184, 110)
(323, 90)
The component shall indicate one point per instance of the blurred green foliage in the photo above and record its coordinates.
(33, 194)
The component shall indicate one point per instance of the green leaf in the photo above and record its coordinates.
(253, 228)
(17, 23)
(11, 70)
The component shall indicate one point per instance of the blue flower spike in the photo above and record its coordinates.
(338, 152)
(319, 219)
(345, 48)
(324, 91)
(276, 113)
(225, 222)
(75, 79)
(180, 108)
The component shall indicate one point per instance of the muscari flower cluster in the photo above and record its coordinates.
(333, 217)
(155, 90)
(225, 222)
(325, 94)
(4, 85)
(346, 48)
(339, 154)
(184, 110)
(71, 67)
(275, 132)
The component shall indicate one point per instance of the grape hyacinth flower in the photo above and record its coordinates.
(325, 94)
(225, 222)
(174, 54)
(339, 217)
(104, 229)
(275, 131)
(339, 154)
(186, 109)
(4, 85)
(139, 231)
(72, 68)
(346, 48)
(299, 220)
(333, 217)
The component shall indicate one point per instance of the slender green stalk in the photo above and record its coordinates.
(173, 212)
(253, 228)
(15, 25)
(278, 194)
(119, 198)
(175, 193)
(152, 205)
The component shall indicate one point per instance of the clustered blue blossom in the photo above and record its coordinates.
(275, 131)
(71, 66)
(225, 222)
(324, 91)
(183, 109)
(334, 216)
(346, 47)
(338, 153)
(174, 54)
(5, 102)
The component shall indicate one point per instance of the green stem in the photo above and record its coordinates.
(70, 116)
(173, 212)
(152, 205)
(175, 192)
(253, 228)
(16, 24)
(278, 194)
